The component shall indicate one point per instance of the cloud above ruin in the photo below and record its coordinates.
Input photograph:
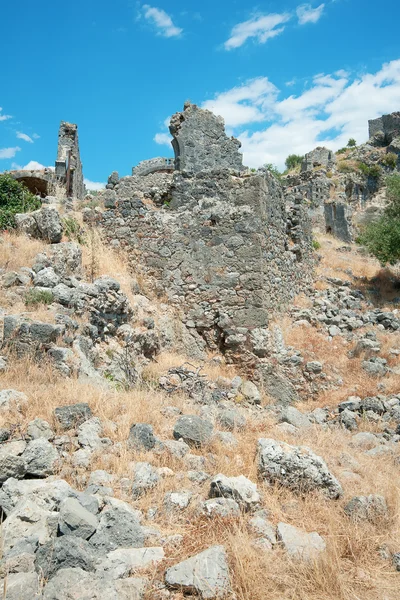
(329, 111)
(307, 14)
(162, 22)
(24, 136)
(9, 152)
(261, 28)
(94, 186)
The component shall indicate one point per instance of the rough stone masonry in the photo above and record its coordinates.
(221, 244)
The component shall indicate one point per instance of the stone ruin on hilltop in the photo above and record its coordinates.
(214, 238)
(67, 172)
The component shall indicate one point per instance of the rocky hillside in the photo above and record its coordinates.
(135, 463)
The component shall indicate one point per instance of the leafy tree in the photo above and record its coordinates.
(273, 169)
(382, 238)
(351, 143)
(14, 198)
(293, 160)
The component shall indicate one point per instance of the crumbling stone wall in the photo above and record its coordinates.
(68, 166)
(200, 142)
(319, 157)
(384, 129)
(224, 250)
(338, 220)
(153, 165)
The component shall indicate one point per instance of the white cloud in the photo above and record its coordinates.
(163, 139)
(161, 20)
(4, 117)
(9, 152)
(93, 185)
(244, 104)
(16, 166)
(34, 165)
(331, 110)
(307, 14)
(262, 28)
(24, 136)
(35, 136)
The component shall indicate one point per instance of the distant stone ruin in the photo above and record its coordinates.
(214, 238)
(67, 172)
(319, 157)
(385, 129)
(154, 165)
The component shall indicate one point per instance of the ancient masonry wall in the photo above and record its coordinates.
(389, 125)
(68, 166)
(224, 250)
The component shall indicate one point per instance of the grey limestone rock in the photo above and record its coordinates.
(46, 278)
(39, 428)
(41, 458)
(23, 586)
(118, 528)
(295, 467)
(177, 501)
(64, 552)
(231, 419)
(76, 520)
(299, 544)
(12, 463)
(367, 508)
(72, 415)
(145, 478)
(293, 416)
(220, 507)
(120, 563)
(12, 399)
(141, 437)
(193, 430)
(240, 489)
(206, 574)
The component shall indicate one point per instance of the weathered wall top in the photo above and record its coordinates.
(37, 182)
(200, 142)
(153, 165)
(386, 127)
(68, 162)
(319, 157)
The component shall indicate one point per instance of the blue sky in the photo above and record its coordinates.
(286, 76)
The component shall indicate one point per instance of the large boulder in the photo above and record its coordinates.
(295, 467)
(206, 574)
(44, 224)
(193, 430)
(299, 544)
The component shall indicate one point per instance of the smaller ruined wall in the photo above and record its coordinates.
(389, 125)
(68, 155)
(200, 142)
(338, 220)
(319, 157)
(153, 165)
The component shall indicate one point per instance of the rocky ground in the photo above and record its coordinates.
(134, 464)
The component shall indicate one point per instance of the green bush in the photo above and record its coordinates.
(373, 171)
(273, 170)
(345, 167)
(389, 160)
(351, 143)
(14, 198)
(316, 245)
(34, 297)
(293, 160)
(73, 230)
(382, 238)
(341, 150)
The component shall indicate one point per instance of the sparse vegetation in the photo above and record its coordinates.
(351, 143)
(273, 169)
(73, 230)
(370, 171)
(14, 198)
(389, 160)
(293, 161)
(35, 297)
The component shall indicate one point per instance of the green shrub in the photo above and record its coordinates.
(293, 160)
(273, 170)
(382, 238)
(351, 143)
(389, 160)
(34, 297)
(73, 230)
(14, 198)
(341, 150)
(344, 166)
(316, 245)
(373, 171)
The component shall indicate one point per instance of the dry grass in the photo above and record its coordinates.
(18, 251)
(351, 567)
(344, 264)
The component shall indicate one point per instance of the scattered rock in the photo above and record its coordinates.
(299, 544)
(193, 430)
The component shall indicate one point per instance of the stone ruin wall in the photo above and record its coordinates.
(68, 166)
(222, 247)
(388, 125)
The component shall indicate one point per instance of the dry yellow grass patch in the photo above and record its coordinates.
(18, 251)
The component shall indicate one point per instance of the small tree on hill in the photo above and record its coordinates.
(351, 143)
(382, 237)
(14, 198)
(293, 160)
